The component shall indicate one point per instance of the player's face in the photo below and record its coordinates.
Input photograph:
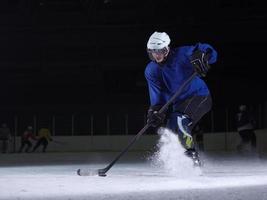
(159, 57)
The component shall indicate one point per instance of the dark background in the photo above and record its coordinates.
(83, 52)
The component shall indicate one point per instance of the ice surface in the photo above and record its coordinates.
(136, 176)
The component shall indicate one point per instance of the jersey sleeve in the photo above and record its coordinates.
(155, 87)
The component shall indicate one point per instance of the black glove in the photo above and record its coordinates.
(154, 118)
(199, 60)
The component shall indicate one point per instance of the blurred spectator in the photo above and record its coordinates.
(26, 138)
(245, 123)
(44, 136)
(5, 136)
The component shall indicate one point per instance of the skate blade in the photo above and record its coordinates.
(197, 163)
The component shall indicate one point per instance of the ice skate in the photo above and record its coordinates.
(196, 160)
(194, 156)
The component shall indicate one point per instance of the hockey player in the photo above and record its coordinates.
(26, 138)
(44, 136)
(168, 69)
(245, 123)
(5, 136)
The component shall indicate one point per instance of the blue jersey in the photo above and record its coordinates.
(164, 79)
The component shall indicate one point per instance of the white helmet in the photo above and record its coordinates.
(242, 107)
(158, 40)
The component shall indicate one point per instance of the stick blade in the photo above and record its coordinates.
(87, 172)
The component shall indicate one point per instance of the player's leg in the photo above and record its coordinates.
(253, 140)
(44, 143)
(21, 146)
(187, 115)
(29, 145)
(38, 143)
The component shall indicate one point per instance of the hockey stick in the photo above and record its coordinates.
(59, 142)
(102, 172)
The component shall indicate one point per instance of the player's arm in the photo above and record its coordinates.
(157, 100)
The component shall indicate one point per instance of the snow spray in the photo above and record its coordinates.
(170, 156)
